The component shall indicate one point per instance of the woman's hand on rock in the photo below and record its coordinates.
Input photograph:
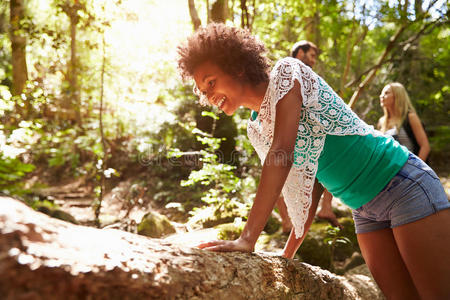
(240, 245)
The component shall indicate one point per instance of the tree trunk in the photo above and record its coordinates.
(317, 38)
(403, 10)
(312, 30)
(18, 49)
(349, 56)
(196, 22)
(418, 7)
(208, 13)
(244, 14)
(104, 155)
(219, 11)
(73, 101)
(45, 258)
(73, 67)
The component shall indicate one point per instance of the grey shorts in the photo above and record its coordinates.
(415, 192)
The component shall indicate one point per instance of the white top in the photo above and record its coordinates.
(401, 136)
(323, 112)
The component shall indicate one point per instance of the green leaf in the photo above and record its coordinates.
(210, 114)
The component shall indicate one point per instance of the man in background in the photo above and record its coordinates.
(305, 51)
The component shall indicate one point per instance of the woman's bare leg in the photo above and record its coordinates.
(425, 248)
(383, 258)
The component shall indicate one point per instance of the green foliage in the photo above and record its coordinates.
(333, 239)
(324, 245)
(313, 249)
(441, 139)
(224, 187)
(272, 225)
(6, 103)
(12, 170)
(230, 231)
(12, 167)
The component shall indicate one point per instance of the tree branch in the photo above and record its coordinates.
(393, 40)
(196, 22)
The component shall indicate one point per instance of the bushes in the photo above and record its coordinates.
(12, 170)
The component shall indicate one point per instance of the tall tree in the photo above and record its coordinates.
(247, 13)
(71, 8)
(418, 7)
(18, 47)
(374, 69)
(219, 11)
(216, 12)
(312, 22)
(196, 22)
(415, 29)
(102, 135)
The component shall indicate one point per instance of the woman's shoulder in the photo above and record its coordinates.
(290, 67)
(411, 118)
(288, 61)
(412, 115)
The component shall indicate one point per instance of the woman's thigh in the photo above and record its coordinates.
(425, 248)
(416, 209)
(383, 258)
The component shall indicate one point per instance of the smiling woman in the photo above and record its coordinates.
(224, 91)
(227, 79)
(307, 139)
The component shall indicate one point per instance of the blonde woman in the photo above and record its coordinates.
(400, 120)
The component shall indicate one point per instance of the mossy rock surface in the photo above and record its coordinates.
(314, 250)
(155, 225)
(229, 231)
(344, 251)
(56, 213)
(224, 217)
(355, 260)
(272, 225)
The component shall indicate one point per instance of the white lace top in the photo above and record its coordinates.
(323, 112)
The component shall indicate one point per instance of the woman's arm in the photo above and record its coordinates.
(275, 170)
(293, 243)
(420, 135)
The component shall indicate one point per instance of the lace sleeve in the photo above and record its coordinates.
(289, 69)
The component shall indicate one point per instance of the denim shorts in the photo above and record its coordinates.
(415, 192)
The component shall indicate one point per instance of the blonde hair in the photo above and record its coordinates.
(402, 107)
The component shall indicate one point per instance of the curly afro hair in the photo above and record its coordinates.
(234, 50)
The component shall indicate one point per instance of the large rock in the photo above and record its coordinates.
(46, 258)
(155, 225)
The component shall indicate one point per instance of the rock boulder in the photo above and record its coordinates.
(46, 258)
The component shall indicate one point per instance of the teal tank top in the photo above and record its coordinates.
(356, 168)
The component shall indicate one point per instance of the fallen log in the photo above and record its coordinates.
(46, 258)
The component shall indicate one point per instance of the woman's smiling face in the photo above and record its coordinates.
(219, 88)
